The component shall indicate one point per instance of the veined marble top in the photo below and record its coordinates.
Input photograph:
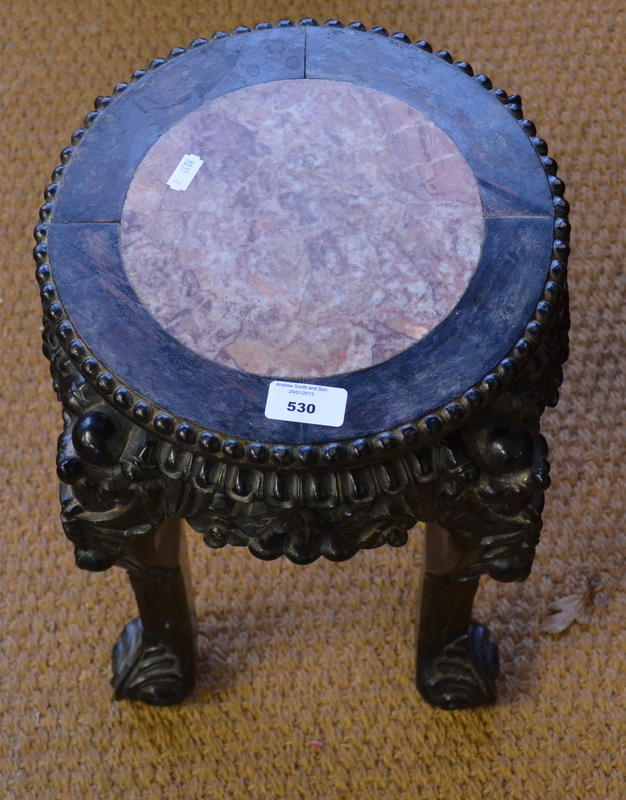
(330, 227)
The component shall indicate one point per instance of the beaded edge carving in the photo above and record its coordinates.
(369, 449)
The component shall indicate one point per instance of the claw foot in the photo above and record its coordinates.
(463, 674)
(149, 671)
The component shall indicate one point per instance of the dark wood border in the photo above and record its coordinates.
(430, 384)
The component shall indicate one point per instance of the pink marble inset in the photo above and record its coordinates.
(330, 227)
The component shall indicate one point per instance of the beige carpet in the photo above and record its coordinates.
(290, 656)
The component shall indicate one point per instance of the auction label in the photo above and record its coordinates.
(185, 172)
(304, 402)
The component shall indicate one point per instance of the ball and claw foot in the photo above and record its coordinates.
(147, 670)
(463, 674)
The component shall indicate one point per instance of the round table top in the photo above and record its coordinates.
(309, 206)
(329, 227)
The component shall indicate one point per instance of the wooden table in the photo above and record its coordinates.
(305, 286)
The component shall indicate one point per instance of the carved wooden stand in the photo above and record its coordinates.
(474, 469)
(480, 490)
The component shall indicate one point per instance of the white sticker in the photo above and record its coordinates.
(185, 172)
(303, 402)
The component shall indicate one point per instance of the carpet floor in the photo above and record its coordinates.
(306, 683)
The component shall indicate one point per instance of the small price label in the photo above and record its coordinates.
(304, 402)
(185, 172)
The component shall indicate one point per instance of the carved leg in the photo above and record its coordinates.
(456, 663)
(154, 659)
(115, 508)
(488, 501)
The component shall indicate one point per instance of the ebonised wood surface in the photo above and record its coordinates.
(492, 315)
